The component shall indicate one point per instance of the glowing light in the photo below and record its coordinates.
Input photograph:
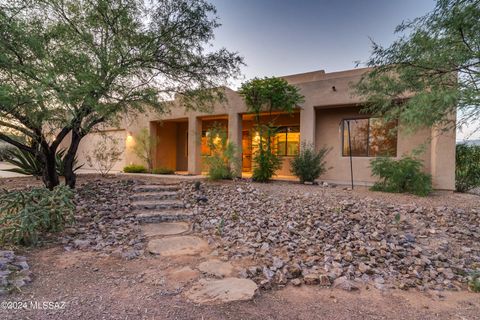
(130, 140)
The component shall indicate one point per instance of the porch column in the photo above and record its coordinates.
(442, 158)
(235, 135)
(194, 144)
(307, 124)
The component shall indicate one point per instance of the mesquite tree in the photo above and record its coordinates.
(67, 66)
(435, 61)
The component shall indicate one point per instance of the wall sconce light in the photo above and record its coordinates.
(334, 89)
(129, 140)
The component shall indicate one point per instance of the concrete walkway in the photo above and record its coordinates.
(6, 174)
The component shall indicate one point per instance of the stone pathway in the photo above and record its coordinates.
(165, 221)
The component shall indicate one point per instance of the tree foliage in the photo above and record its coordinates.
(67, 66)
(467, 167)
(436, 62)
(265, 96)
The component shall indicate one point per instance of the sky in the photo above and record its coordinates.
(285, 37)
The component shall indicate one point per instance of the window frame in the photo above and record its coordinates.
(368, 138)
(286, 140)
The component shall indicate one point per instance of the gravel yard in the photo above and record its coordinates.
(294, 233)
(320, 244)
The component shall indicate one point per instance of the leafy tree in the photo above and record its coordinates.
(436, 61)
(264, 96)
(67, 66)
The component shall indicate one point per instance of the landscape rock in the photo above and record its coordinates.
(313, 230)
(216, 268)
(208, 291)
(14, 272)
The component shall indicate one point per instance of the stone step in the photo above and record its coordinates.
(161, 229)
(152, 216)
(177, 246)
(154, 195)
(158, 204)
(156, 187)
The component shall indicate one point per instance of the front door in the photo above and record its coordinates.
(246, 151)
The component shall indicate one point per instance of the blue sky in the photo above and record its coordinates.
(286, 37)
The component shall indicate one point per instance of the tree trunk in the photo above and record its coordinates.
(69, 159)
(50, 175)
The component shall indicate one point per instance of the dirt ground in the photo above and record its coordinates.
(96, 287)
(87, 285)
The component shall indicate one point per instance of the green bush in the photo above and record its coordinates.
(266, 161)
(221, 162)
(467, 168)
(309, 163)
(163, 171)
(26, 215)
(135, 168)
(404, 175)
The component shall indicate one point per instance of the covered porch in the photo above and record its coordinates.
(181, 144)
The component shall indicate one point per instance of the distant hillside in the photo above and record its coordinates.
(470, 142)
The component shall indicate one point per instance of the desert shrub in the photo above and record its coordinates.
(28, 164)
(266, 161)
(467, 167)
(26, 215)
(135, 168)
(105, 155)
(404, 175)
(144, 147)
(163, 171)
(474, 281)
(309, 163)
(221, 161)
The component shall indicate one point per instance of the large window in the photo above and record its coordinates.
(287, 141)
(371, 137)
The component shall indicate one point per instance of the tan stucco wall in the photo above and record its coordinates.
(329, 135)
(318, 125)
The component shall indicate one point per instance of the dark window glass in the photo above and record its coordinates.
(370, 138)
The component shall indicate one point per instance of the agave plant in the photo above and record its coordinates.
(28, 164)
(61, 164)
(25, 162)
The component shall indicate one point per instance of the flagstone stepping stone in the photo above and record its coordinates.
(154, 195)
(150, 216)
(177, 245)
(216, 268)
(209, 291)
(156, 187)
(158, 204)
(183, 275)
(165, 228)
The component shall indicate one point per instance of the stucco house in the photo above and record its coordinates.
(320, 120)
